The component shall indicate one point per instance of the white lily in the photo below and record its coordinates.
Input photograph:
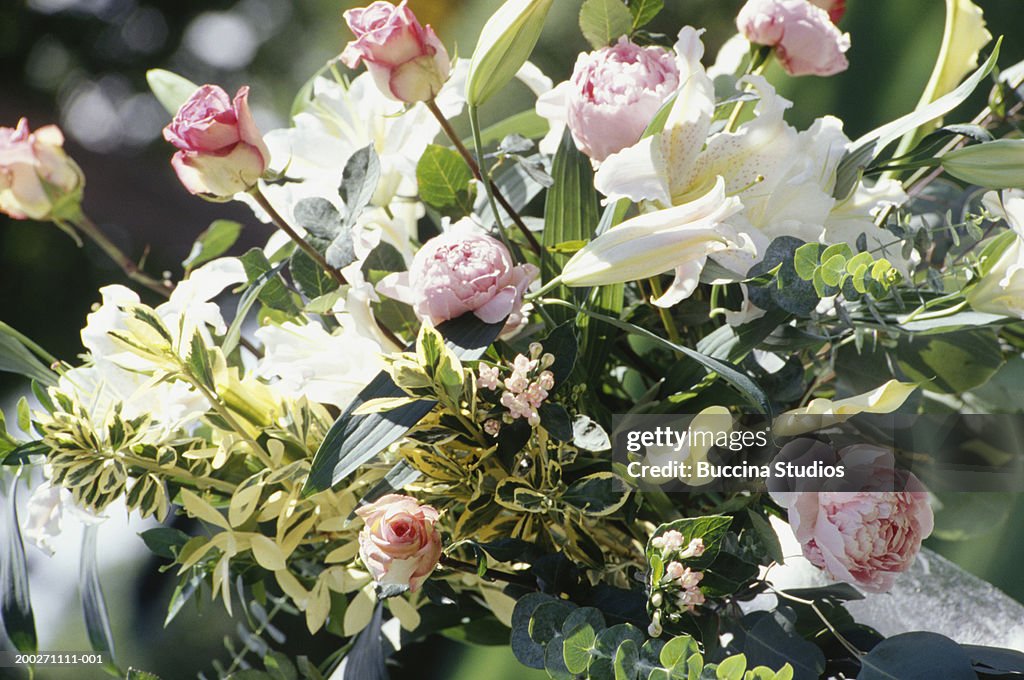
(1001, 289)
(821, 413)
(784, 177)
(678, 238)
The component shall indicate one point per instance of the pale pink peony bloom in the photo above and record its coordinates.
(804, 37)
(407, 61)
(37, 179)
(400, 543)
(462, 271)
(220, 149)
(613, 95)
(864, 537)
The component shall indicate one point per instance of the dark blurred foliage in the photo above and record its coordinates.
(82, 64)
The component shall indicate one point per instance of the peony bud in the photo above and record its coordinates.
(37, 179)
(505, 44)
(407, 61)
(805, 39)
(997, 165)
(221, 152)
(462, 271)
(613, 95)
(400, 544)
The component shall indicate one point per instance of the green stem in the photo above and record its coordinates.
(478, 168)
(283, 225)
(82, 223)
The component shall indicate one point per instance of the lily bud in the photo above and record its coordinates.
(38, 180)
(996, 165)
(505, 44)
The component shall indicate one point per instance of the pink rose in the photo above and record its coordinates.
(221, 151)
(408, 62)
(804, 37)
(37, 179)
(865, 537)
(613, 95)
(462, 271)
(399, 543)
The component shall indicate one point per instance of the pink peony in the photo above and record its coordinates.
(37, 179)
(804, 37)
(462, 271)
(400, 544)
(865, 537)
(613, 95)
(407, 61)
(221, 151)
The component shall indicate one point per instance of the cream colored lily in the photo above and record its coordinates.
(822, 413)
(679, 238)
(1001, 289)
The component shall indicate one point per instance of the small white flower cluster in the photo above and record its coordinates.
(681, 580)
(525, 389)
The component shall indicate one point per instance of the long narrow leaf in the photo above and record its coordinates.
(94, 604)
(15, 357)
(357, 439)
(15, 603)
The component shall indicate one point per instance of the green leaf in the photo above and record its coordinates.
(170, 89)
(833, 270)
(597, 495)
(359, 182)
(580, 630)
(570, 213)
(773, 641)
(603, 21)
(950, 362)
(806, 259)
(280, 667)
(608, 642)
(310, 277)
(732, 668)
(273, 293)
(644, 11)
(766, 536)
(354, 440)
(916, 655)
(15, 602)
(212, 243)
(527, 123)
(16, 358)
(245, 303)
(444, 181)
(200, 363)
(165, 542)
(627, 660)
(329, 234)
(136, 674)
(94, 605)
(863, 151)
(526, 650)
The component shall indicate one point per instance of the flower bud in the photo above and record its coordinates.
(407, 61)
(997, 165)
(221, 151)
(37, 179)
(505, 44)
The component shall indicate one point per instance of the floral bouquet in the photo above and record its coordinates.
(560, 383)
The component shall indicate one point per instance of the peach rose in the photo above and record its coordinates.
(400, 543)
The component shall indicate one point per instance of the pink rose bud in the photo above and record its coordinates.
(614, 94)
(462, 271)
(408, 62)
(221, 151)
(804, 37)
(863, 537)
(37, 179)
(400, 544)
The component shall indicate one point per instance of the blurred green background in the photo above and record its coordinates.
(82, 64)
